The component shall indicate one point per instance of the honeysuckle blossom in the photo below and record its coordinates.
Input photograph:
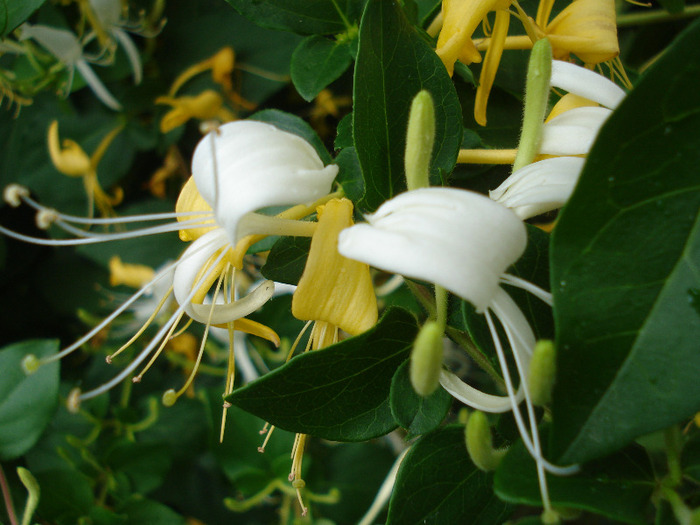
(66, 47)
(335, 293)
(238, 168)
(567, 135)
(208, 105)
(464, 242)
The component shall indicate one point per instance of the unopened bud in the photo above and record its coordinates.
(543, 369)
(480, 443)
(419, 141)
(426, 359)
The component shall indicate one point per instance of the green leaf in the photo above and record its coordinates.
(673, 6)
(339, 393)
(306, 17)
(618, 486)
(66, 495)
(437, 483)
(416, 414)
(287, 259)
(316, 62)
(350, 174)
(145, 464)
(14, 12)
(141, 511)
(625, 268)
(27, 402)
(393, 64)
(293, 124)
(344, 138)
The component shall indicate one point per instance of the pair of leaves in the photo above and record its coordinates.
(626, 268)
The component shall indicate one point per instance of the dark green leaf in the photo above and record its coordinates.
(66, 495)
(27, 402)
(393, 64)
(673, 6)
(293, 124)
(287, 259)
(437, 484)
(317, 62)
(339, 393)
(141, 511)
(618, 486)
(625, 259)
(145, 464)
(344, 133)
(416, 414)
(306, 17)
(14, 12)
(350, 174)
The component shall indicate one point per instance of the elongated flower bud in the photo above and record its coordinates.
(480, 443)
(543, 370)
(426, 359)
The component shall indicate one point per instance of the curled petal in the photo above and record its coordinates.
(70, 159)
(475, 398)
(246, 165)
(573, 132)
(539, 187)
(460, 240)
(586, 83)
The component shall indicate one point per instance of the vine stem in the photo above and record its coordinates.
(656, 16)
(7, 497)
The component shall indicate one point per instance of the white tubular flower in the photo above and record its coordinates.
(463, 242)
(547, 184)
(109, 14)
(66, 47)
(274, 168)
(258, 166)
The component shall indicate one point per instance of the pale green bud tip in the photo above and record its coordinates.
(543, 370)
(426, 359)
(550, 517)
(30, 364)
(169, 397)
(479, 443)
(419, 141)
(73, 401)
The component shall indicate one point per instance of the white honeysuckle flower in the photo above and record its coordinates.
(464, 242)
(109, 14)
(546, 185)
(262, 172)
(66, 47)
(259, 166)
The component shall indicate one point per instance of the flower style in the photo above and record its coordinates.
(464, 242)
(66, 47)
(335, 293)
(253, 165)
(71, 160)
(567, 136)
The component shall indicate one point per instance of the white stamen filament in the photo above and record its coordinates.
(384, 492)
(523, 284)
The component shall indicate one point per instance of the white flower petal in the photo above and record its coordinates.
(61, 43)
(131, 52)
(573, 132)
(108, 12)
(97, 86)
(586, 83)
(475, 398)
(458, 239)
(257, 165)
(539, 187)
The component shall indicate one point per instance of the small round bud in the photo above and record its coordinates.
(73, 401)
(30, 364)
(543, 369)
(480, 444)
(426, 359)
(13, 194)
(169, 397)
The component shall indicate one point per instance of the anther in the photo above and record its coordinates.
(137, 379)
(73, 401)
(30, 364)
(169, 397)
(45, 218)
(227, 404)
(108, 359)
(14, 193)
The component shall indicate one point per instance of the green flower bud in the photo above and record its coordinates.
(419, 141)
(426, 359)
(480, 443)
(543, 369)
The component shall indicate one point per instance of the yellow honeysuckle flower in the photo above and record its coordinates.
(132, 275)
(208, 105)
(221, 65)
(460, 19)
(335, 289)
(190, 200)
(70, 159)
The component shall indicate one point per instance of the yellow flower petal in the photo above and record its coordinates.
(254, 328)
(567, 102)
(490, 66)
(190, 200)
(586, 28)
(132, 275)
(70, 159)
(205, 106)
(333, 288)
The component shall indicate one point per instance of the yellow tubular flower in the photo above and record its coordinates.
(132, 275)
(490, 66)
(68, 158)
(586, 28)
(335, 289)
(460, 19)
(221, 64)
(207, 105)
(190, 200)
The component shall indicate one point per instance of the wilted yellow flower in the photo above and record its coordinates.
(207, 105)
(333, 288)
(71, 160)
